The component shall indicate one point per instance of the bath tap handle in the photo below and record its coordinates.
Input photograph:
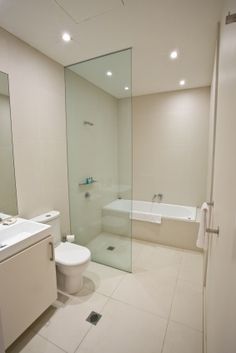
(160, 197)
(154, 196)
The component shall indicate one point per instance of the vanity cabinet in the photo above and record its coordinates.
(27, 288)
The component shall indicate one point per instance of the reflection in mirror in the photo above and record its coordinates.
(8, 197)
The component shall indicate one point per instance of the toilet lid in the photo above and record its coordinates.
(69, 254)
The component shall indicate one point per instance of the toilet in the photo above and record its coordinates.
(71, 259)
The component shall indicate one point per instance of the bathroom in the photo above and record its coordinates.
(121, 135)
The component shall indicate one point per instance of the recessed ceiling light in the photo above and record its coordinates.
(66, 37)
(126, 88)
(182, 82)
(109, 73)
(174, 54)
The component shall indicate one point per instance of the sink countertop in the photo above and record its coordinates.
(20, 235)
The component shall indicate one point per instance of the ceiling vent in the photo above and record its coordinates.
(80, 10)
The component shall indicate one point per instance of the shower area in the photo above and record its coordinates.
(99, 147)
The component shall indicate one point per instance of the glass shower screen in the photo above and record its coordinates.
(99, 138)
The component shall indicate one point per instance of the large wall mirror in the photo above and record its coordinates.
(8, 196)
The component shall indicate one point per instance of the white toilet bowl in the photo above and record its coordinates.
(71, 262)
(71, 259)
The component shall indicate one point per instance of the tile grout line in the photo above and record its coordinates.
(187, 326)
(138, 308)
(77, 348)
(118, 284)
(54, 344)
(92, 327)
(174, 292)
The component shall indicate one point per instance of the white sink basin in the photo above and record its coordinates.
(20, 235)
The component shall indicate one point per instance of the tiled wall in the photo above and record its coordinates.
(170, 132)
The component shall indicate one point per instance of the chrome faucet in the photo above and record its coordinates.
(9, 220)
(158, 196)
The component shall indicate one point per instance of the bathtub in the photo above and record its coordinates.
(167, 224)
(153, 208)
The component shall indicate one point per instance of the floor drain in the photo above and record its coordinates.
(111, 248)
(93, 318)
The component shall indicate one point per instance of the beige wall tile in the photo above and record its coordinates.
(170, 132)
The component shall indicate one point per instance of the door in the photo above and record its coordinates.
(221, 272)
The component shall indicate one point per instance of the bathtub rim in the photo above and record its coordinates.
(126, 211)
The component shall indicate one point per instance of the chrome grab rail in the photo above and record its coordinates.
(213, 231)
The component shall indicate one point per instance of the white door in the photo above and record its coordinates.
(221, 272)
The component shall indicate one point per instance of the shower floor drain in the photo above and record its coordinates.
(93, 318)
(111, 248)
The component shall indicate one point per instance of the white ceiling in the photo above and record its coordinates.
(152, 27)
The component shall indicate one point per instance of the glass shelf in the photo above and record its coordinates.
(86, 184)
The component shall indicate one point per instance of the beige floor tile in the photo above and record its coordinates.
(182, 339)
(147, 290)
(120, 257)
(155, 257)
(187, 305)
(192, 268)
(137, 247)
(102, 279)
(67, 326)
(123, 328)
(33, 343)
(135, 320)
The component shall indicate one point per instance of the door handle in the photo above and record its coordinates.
(52, 257)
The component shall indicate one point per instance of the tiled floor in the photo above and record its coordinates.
(156, 309)
(120, 257)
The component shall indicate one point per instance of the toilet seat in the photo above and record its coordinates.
(68, 254)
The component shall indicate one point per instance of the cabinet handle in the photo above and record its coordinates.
(52, 257)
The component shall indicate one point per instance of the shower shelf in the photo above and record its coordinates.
(86, 184)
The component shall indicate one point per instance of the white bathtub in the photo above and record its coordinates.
(153, 208)
(167, 224)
